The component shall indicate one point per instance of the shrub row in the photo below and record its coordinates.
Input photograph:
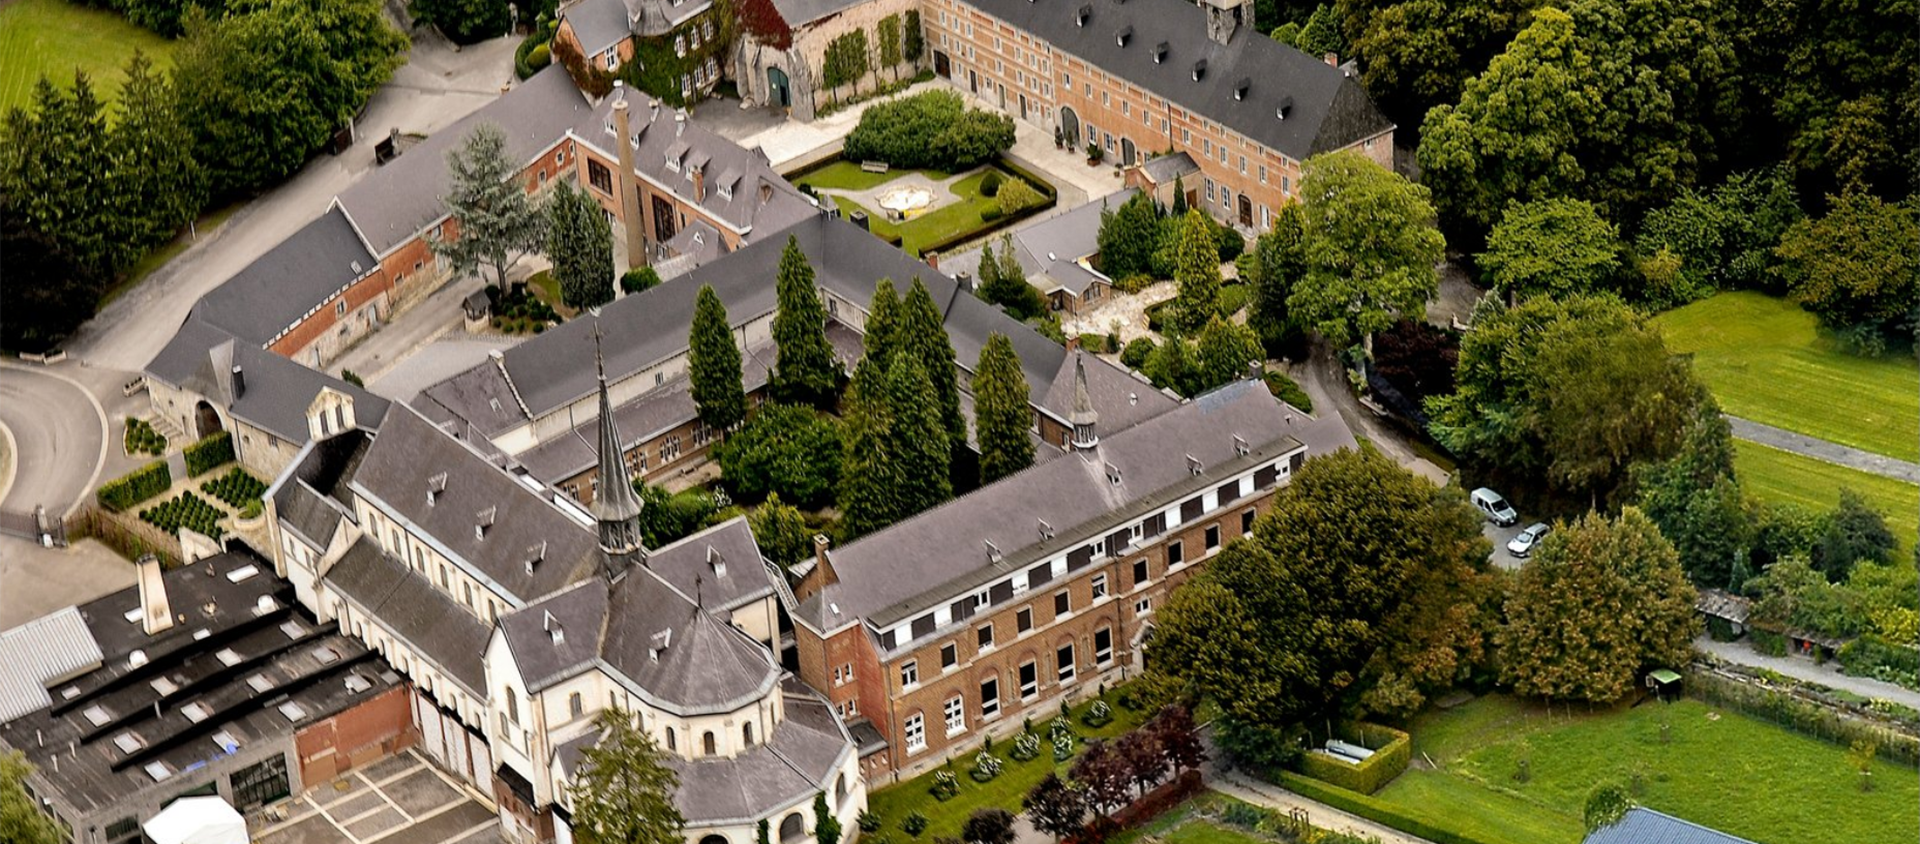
(236, 488)
(996, 218)
(136, 486)
(1389, 760)
(1372, 809)
(215, 450)
(1784, 707)
(141, 438)
(1289, 391)
(185, 510)
(1871, 656)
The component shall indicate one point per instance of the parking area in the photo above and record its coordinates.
(403, 799)
(1500, 536)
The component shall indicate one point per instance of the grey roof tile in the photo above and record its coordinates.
(598, 24)
(276, 390)
(277, 290)
(721, 566)
(427, 619)
(1642, 825)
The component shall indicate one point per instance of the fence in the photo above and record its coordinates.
(37, 526)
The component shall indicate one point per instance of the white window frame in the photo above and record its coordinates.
(955, 710)
(916, 733)
(909, 674)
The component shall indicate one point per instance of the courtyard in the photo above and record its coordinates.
(402, 799)
(921, 209)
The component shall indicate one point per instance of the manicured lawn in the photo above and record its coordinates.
(1766, 361)
(1728, 771)
(1006, 791)
(1780, 476)
(847, 175)
(54, 37)
(918, 233)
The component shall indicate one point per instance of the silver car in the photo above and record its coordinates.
(1523, 544)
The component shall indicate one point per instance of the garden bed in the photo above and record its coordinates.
(237, 489)
(141, 438)
(186, 510)
(964, 210)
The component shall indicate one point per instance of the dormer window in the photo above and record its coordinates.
(993, 551)
(1241, 87)
(1193, 465)
(1081, 17)
(659, 644)
(716, 562)
(482, 521)
(1046, 530)
(726, 191)
(535, 555)
(1160, 52)
(436, 485)
(1113, 474)
(1124, 36)
(1199, 70)
(1286, 105)
(552, 626)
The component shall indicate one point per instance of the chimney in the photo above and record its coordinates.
(623, 131)
(156, 615)
(966, 281)
(1332, 59)
(1224, 18)
(820, 543)
(239, 382)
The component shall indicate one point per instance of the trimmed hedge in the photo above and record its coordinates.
(236, 488)
(205, 455)
(136, 486)
(1372, 809)
(1389, 760)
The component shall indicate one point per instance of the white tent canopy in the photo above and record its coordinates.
(197, 820)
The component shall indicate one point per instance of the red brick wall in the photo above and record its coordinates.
(369, 731)
(373, 288)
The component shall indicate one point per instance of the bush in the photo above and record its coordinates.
(1869, 656)
(933, 131)
(945, 787)
(869, 822)
(1098, 715)
(216, 450)
(236, 488)
(141, 438)
(1025, 747)
(1063, 746)
(134, 487)
(353, 378)
(914, 824)
(185, 510)
(1233, 297)
(1286, 390)
(990, 183)
(1095, 343)
(991, 213)
(539, 57)
(1016, 196)
(986, 766)
(1133, 283)
(1388, 761)
(1134, 356)
(1828, 722)
(1243, 815)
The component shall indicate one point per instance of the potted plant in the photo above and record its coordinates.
(1059, 138)
(1094, 153)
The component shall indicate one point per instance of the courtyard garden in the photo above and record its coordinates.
(929, 209)
(56, 37)
(141, 438)
(1215, 818)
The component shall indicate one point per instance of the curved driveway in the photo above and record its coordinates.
(58, 436)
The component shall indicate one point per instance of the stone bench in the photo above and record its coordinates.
(873, 166)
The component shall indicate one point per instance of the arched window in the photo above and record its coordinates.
(746, 734)
(708, 744)
(671, 744)
(714, 839)
(840, 789)
(792, 828)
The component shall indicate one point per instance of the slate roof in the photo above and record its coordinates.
(688, 565)
(277, 290)
(798, 13)
(277, 391)
(304, 497)
(1051, 249)
(410, 451)
(1326, 109)
(598, 24)
(390, 206)
(427, 619)
(893, 573)
(1163, 169)
(1122, 399)
(1642, 825)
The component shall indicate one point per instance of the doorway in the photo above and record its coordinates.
(779, 89)
(1127, 151)
(663, 222)
(206, 420)
(1070, 127)
(1246, 211)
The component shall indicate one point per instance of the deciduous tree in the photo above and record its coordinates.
(624, 793)
(1055, 807)
(498, 223)
(1856, 266)
(785, 449)
(1371, 249)
(1102, 777)
(713, 364)
(781, 531)
(1856, 533)
(22, 822)
(580, 244)
(1417, 54)
(804, 368)
(1002, 414)
(1551, 247)
(988, 826)
(1280, 262)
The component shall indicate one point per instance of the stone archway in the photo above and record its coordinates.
(1070, 127)
(1127, 152)
(206, 420)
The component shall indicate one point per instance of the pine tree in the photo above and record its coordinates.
(868, 474)
(624, 791)
(1002, 414)
(714, 364)
(921, 450)
(988, 271)
(1196, 266)
(497, 222)
(1127, 238)
(51, 173)
(804, 369)
(159, 185)
(924, 337)
(1179, 198)
(580, 242)
(885, 327)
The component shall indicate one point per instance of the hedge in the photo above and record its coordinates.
(1871, 656)
(997, 224)
(1795, 712)
(203, 456)
(1387, 761)
(136, 486)
(1372, 809)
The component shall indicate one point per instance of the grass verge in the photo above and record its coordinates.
(53, 38)
(1784, 477)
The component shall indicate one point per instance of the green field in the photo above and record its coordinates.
(1766, 361)
(1721, 769)
(53, 37)
(1774, 475)
(935, 226)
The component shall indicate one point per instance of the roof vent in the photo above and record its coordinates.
(1133, 399)
(1046, 530)
(1240, 446)
(1160, 52)
(482, 521)
(1081, 17)
(1199, 70)
(1193, 465)
(1113, 474)
(535, 555)
(1126, 34)
(357, 683)
(356, 267)
(137, 658)
(552, 626)
(717, 562)
(1240, 88)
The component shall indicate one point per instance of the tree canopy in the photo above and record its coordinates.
(1127, 237)
(1856, 266)
(713, 364)
(1552, 247)
(497, 222)
(804, 368)
(785, 449)
(580, 244)
(22, 822)
(624, 793)
(1002, 413)
(1196, 269)
(1371, 248)
(934, 129)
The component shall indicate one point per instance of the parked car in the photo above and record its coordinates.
(1523, 545)
(1497, 509)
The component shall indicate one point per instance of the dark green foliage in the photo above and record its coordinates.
(159, 185)
(713, 364)
(780, 531)
(498, 223)
(666, 517)
(236, 488)
(1392, 751)
(638, 279)
(1128, 236)
(990, 183)
(580, 244)
(664, 65)
(924, 338)
(1416, 54)
(1135, 355)
(1279, 262)
(1007, 286)
(1226, 350)
(914, 41)
(933, 130)
(136, 486)
(1856, 533)
(846, 59)
(272, 85)
(1172, 366)
(869, 467)
(463, 21)
(884, 329)
(784, 449)
(920, 441)
(1856, 267)
(626, 787)
(516, 311)
(166, 17)
(1286, 390)
(203, 456)
(826, 827)
(353, 378)
(1606, 805)
(49, 290)
(1321, 34)
(805, 369)
(51, 164)
(914, 824)
(186, 510)
(141, 438)
(1695, 500)
(1551, 247)
(1002, 415)
(1721, 239)
(1196, 268)
(1370, 248)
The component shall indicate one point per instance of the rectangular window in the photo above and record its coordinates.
(956, 715)
(1206, 146)
(1246, 520)
(1099, 586)
(916, 733)
(1065, 659)
(1023, 620)
(1209, 190)
(1029, 680)
(989, 697)
(1103, 646)
(949, 655)
(1139, 572)
(1263, 174)
(1175, 554)
(1143, 606)
(1213, 537)
(1062, 602)
(910, 674)
(986, 637)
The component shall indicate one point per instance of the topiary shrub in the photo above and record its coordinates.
(990, 183)
(868, 821)
(945, 787)
(539, 57)
(236, 488)
(914, 824)
(139, 485)
(986, 766)
(636, 280)
(1025, 747)
(209, 453)
(1286, 390)
(991, 213)
(1063, 747)
(1098, 715)
(1016, 196)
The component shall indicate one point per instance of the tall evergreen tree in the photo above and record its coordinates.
(869, 472)
(580, 243)
(155, 178)
(924, 338)
(804, 369)
(1225, 350)
(46, 292)
(987, 272)
(1002, 413)
(920, 445)
(51, 166)
(713, 362)
(885, 327)
(780, 531)
(1127, 237)
(624, 791)
(1179, 208)
(1196, 266)
(497, 222)
(1280, 261)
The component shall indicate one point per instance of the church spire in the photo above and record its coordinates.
(1084, 418)
(615, 506)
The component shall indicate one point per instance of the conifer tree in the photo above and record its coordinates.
(1225, 349)
(1002, 413)
(920, 445)
(988, 271)
(1279, 263)
(49, 178)
(1196, 267)
(804, 369)
(580, 243)
(925, 339)
(1179, 198)
(159, 184)
(713, 364)
(624, 792)
(497, 222)
(885, 327)
(868, 472)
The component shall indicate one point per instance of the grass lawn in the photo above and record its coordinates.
(1006, 791)
(920, 232)
(1766, 361)
(53, 37)
(1780, 476)
(1728, 771)
(847, 175)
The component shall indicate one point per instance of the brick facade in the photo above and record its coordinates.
(370, 731)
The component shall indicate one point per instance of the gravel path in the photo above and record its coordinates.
(1819, 449)
(1803, 668)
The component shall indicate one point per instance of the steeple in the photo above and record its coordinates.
(1084, 418)
(615, 506)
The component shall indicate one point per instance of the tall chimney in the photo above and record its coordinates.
(629, 210)
(156, 615)
(699, 184)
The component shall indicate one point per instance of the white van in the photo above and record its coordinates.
(1497, 509)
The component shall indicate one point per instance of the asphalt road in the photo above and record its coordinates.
(59, 436)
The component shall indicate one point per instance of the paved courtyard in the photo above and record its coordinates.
(404, 800)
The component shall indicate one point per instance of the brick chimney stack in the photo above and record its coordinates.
(1332, 59)
(629, 206)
